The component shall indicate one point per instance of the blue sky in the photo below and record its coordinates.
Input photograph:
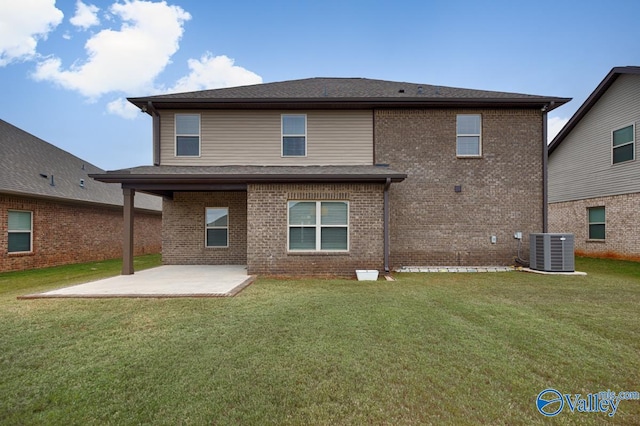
(67, 66)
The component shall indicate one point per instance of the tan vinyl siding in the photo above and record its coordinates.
(581, 166)
(254, 138)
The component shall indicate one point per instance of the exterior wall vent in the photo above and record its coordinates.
(551, 252)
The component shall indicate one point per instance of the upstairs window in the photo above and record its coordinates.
(217, 227)
(294, 135)
(469, 137)
(623, 144)
(596, 223)
(318, 226)
(187, 135)
(20, 227)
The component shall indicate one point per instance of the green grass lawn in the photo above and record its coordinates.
(425, 349)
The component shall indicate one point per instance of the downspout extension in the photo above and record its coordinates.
(386, 225)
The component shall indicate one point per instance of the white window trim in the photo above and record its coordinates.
(207, 227)
(282, 135)
(318, 226)
(589, 223)
(30, 232)
(479, 135)
(633, 142)
(176, 134)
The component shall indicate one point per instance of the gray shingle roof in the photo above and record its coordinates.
(245, 174)
(28, 166)
(344, 90)
(254, 170)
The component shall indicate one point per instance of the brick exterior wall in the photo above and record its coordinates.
(622, 237)
(183, 229)
(267, 242)
(430, 223)
(502, 192)
(65, 233)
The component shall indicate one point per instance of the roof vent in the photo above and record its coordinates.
(401, 91)
(81, 183)
(52, 183)
(419, 90)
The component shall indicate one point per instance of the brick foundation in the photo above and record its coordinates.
(65, 233)
(501, 192)
(622, 238)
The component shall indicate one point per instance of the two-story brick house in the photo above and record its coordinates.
(594, 172)
(329, 175)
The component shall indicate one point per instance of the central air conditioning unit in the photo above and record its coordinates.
(551, 252)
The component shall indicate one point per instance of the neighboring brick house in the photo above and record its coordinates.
(329, 175)
(52, 213)
(594, 172)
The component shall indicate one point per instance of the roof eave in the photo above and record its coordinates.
(600, 90)
(549, 103)
(190, 179)
(75, 201)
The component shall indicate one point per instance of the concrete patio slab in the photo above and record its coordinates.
(160, 282)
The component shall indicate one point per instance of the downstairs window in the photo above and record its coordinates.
(20, 231)
(596, 223)
(217, 227)
(318, 226)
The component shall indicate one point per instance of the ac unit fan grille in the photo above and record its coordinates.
(552, 252)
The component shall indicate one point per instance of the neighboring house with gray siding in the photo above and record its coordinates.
(330, 175)
(594, 171)
(52, 213)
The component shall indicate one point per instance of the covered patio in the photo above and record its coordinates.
(256, 201)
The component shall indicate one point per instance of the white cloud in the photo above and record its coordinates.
(22, 24)
(129, 58)
(209, 72)
(554, 125)
(213, 72)
(126, 60)
(86, 15)
(123, 108)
